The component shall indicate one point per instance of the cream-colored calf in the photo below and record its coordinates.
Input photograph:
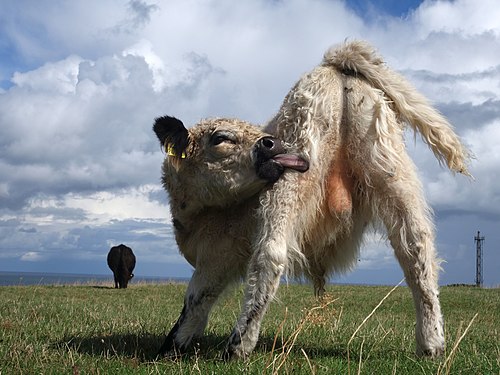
(346, 118)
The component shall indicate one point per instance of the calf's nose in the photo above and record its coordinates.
(270, 146)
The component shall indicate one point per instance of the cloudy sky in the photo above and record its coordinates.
(81, 82)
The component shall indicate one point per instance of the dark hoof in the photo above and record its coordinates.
(431, 353)
(170, 349)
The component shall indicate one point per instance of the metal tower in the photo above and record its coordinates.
(479, 259)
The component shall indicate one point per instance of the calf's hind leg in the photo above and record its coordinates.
(411, 234)
(392, 191)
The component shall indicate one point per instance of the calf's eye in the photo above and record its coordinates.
(222, 137)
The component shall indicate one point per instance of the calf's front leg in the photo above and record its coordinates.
(202, 292)
(266, 266)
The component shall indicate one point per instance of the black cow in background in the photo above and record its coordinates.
(121, 260)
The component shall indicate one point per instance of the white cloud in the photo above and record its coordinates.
(144, 48)
(375, 252)
(132, 203)
(466, 17)
(475, 88)
(32, 256)
(483, 141)
(59, 77)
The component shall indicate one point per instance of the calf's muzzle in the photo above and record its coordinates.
(271, 159)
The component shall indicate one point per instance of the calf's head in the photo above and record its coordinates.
(220, 161)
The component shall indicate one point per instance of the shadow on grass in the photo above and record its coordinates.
(144, 347)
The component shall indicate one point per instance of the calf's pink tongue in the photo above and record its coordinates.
(292, 161)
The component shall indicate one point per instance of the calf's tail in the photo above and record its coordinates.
(359, 58)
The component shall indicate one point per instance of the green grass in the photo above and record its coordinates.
(85, 329)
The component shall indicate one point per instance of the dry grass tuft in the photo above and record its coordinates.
(313, 316)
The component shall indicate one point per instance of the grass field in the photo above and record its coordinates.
(87, 329)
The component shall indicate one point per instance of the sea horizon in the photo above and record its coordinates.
(27, 278)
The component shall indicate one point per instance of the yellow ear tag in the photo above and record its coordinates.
(171, 151)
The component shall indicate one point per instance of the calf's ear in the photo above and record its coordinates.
(173, 135)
